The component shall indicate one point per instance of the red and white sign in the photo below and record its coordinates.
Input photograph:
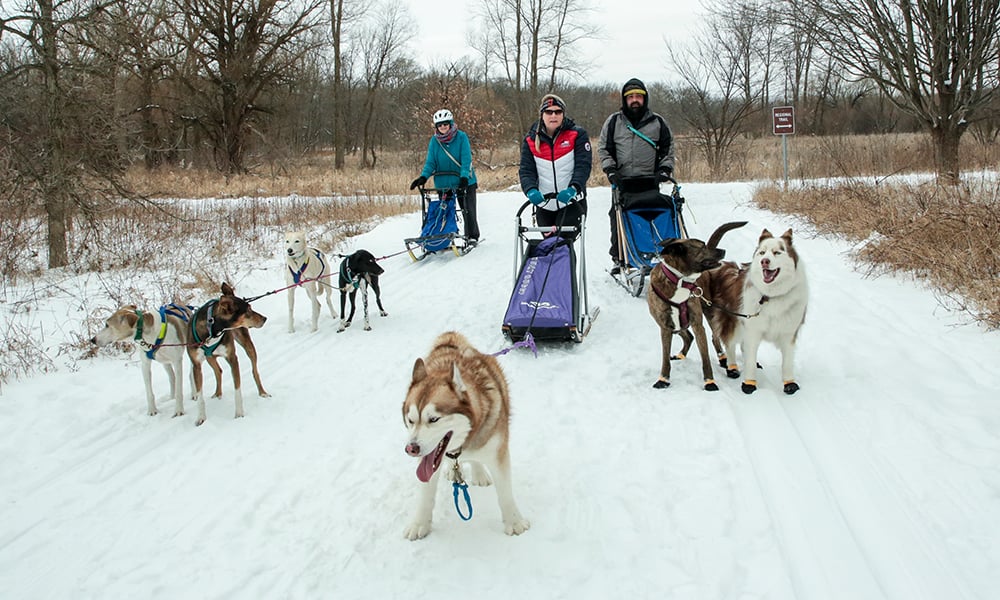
(783, 120)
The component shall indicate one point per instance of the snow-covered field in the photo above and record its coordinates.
(879, 479)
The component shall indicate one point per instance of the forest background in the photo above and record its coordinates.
(107, 106)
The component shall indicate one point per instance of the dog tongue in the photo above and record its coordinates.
(427, 467)
(431, 462)
(769, 275)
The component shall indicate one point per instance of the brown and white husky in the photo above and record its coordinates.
(458, 408)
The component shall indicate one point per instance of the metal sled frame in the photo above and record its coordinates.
(637, 265)
(416, 247)
(582, 315)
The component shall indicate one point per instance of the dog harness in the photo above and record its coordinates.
(167, 309)
(297, 275)
(209, 345)
(347, 276)
(685, 290)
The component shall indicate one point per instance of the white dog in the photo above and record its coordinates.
(308, 265)
(776, 294)
(162, 336)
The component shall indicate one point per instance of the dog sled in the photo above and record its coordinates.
(442, 217)
(549, 299)
(644, 217)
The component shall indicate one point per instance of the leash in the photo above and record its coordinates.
(527, 342)
(459, 485)
(287, 287)
(708, 303)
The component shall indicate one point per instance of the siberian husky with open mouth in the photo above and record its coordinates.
(765, 300)
(458, 408)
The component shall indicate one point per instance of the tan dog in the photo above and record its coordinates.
(675, 300)
(215, 329)
(770, 296)
(307, 268)
(458, 407)
(162, 336)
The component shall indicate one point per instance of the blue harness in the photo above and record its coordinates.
(297, 275)
(180, 312)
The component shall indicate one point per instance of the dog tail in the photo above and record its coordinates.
(713, 242)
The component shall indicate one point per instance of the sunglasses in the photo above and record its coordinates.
(553, 112)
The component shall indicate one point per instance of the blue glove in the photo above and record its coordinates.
(566, 196)
(535, 197)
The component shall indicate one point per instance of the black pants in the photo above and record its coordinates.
(567, 216)
(612, 215)
(467, 202)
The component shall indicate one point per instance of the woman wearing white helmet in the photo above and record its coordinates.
(449, 152)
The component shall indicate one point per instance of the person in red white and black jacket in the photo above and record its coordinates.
(556, 159)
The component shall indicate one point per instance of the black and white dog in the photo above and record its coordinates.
(359, 270)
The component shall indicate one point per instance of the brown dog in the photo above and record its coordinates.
(675, 300)
(215, 330)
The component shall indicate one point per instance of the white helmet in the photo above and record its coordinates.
(443, 116)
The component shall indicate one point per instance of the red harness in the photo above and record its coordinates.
(682, 307)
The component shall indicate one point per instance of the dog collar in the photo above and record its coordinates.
(138, 325)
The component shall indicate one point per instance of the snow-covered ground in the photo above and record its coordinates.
(879, 479)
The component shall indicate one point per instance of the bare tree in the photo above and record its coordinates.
(238, 49)
(381, 47)
(937, 60)
(57, 126)
(531, 43)
(342, 12)
(724, 80)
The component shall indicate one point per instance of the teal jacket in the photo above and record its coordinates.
(439, 161)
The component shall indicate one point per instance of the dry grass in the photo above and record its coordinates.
(949, 237)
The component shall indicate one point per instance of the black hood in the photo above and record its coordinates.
(635, 84)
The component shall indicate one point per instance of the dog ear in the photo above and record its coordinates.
(787, 236)
(764, 235)
(130, 318)
(672, 247)
(419, 371)
(226, 307)
(457, 379)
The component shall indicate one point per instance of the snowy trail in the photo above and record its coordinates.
(879, 479)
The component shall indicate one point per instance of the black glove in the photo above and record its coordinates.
(463, 182)
(664, 175)
(612, 176)
(417, 182)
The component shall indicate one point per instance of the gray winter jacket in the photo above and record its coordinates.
(635, 156)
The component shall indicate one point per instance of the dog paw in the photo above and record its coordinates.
(723, 361)
(477, 475)
(678, 356)
(383, 313)
(516, 526)
(711, 386)
(749, 387)
(152, 412)
(732, 373)
(791, 387)
(178, 413)
(417, 530)
(368, 327)
(199, 422)
(661, 383)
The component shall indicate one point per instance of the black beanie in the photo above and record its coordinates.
(632, 86)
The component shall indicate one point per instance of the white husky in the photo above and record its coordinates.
(775, 296)
(458, 407)
(309, 265)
